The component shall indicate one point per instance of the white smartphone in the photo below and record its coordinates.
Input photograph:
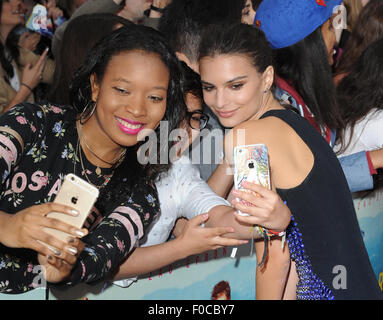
(251, 163)
(78, 194)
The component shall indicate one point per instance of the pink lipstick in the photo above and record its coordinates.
(129, 126)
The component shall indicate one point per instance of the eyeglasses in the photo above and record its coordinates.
(197, 119)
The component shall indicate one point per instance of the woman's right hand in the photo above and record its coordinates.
(32, 76)
(58, 269)
(264, 206)
(24, 229)
(196, 239)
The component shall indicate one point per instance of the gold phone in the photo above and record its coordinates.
(78, 194)
(251, 163)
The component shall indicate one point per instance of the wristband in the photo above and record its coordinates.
(160, 10)
(266, 234)
(25, 85)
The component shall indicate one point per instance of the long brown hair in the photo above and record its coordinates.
(368, 29)
(361, 91)
(353, 7)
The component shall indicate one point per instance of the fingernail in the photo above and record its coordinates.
(72, 250)
(73, 212)
(206, 215)
(79, 233)
(235, 192)
(71, 240)
(57, 252)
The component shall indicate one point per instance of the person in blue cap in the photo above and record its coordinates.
(301, 32)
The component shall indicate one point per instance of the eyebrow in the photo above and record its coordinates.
(227, 82)
(127, 81)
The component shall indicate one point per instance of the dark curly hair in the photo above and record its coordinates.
(130, 174)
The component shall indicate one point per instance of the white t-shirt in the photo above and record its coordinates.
(182, 193)
(368, 134)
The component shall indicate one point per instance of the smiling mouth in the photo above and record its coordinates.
(130, 124)
(226, 114)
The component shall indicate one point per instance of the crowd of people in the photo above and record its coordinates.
(123, 94)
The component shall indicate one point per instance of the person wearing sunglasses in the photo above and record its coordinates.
(197, 119)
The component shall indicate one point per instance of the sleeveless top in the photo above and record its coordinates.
(324, 237)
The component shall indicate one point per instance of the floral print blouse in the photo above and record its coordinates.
(38, 147)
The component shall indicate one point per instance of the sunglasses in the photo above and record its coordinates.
(197, 119)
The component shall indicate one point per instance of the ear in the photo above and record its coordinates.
(268, 77)
(182, 57)
(95, 87)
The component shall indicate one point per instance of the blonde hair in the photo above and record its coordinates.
(353, 8)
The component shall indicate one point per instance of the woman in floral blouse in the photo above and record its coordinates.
(130, 82)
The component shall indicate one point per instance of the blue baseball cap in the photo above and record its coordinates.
(286, 22)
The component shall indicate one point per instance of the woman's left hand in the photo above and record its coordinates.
(265, 207)
(55, 267)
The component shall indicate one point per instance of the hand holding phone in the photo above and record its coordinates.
(251, 163)
(78, 194)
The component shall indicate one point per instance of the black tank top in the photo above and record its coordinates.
(324, 237)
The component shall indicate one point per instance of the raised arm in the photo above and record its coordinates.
(194, 239)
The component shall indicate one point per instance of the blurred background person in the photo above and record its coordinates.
(21, 70)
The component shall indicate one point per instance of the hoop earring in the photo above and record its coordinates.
(87, 112)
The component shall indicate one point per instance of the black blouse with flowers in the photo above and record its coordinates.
(35, 156)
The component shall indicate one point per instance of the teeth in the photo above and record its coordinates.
(129, 125)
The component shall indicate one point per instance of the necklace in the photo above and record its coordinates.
(78, 152)
(115, 162)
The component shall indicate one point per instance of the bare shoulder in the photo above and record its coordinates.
(267, 130)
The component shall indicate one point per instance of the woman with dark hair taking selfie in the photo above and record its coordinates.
(237, 74)
(96, 138)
